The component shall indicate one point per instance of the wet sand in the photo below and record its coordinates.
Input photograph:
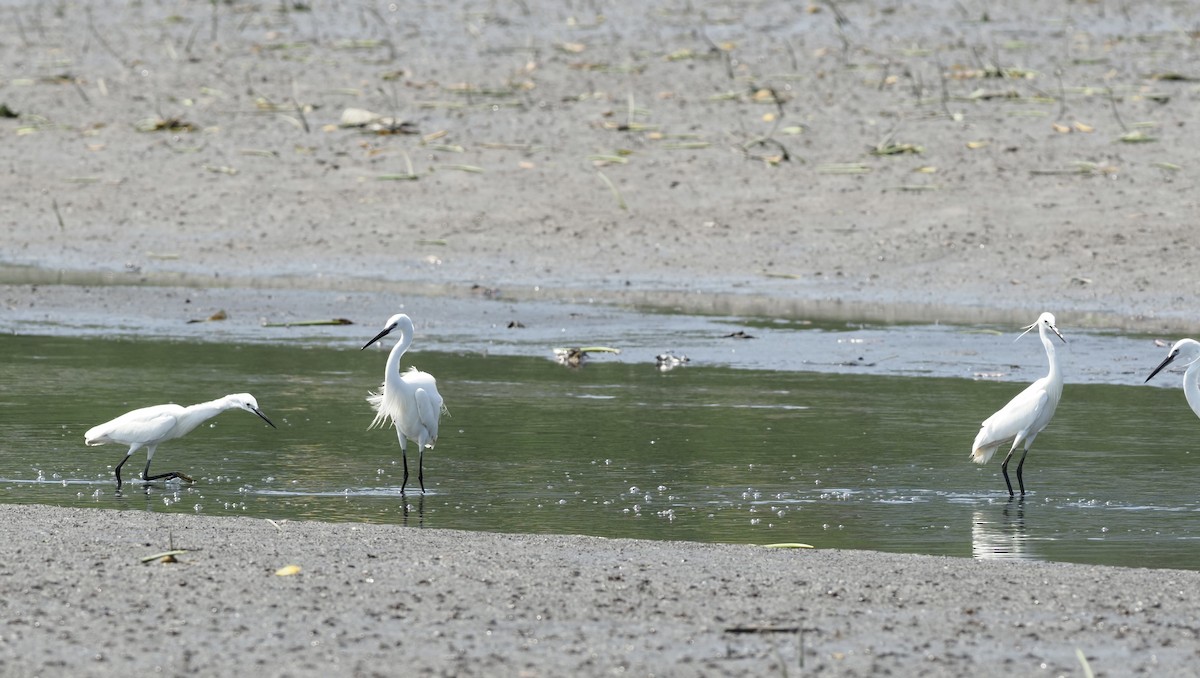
(933, 160)
(379, 600)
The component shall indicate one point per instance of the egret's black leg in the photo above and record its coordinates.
(146, 477)
(1004, 470)
(421, 468)
(1020, 466)
(118, 470)
(404, 457)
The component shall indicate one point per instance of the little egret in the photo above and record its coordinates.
(1188, 352)
(410, 399)
(150, 426)
(1024, 417)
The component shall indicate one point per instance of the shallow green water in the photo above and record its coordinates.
(618, 450)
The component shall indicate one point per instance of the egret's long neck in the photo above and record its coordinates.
(194, 415)
(392, 374)
(1051, 356)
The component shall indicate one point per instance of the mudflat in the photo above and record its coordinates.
(902, 161)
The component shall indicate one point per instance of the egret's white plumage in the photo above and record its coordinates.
(409, 399)
(149, 426)
(1187, 352)
(1024, 417)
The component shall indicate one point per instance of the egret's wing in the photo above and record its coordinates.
(428, 411)
(1014, 419)
(140, 426)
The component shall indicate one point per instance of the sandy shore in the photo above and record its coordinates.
(943, 159)
(378, 600)
(969, 162)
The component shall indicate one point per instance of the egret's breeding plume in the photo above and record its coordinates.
(1024, 417)
(410, 399)
(149, 426)
(1187, 352)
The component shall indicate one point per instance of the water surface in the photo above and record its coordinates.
(618, 449)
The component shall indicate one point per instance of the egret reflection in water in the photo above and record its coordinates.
(1000, 535)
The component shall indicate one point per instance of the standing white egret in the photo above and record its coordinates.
(1024, 417)
(410, 399)
(149, 426)
(1187, 351)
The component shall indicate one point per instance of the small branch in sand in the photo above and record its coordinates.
(613, 187)
(769, 138)
(1112, 100)
(57, 214)
(104, 43)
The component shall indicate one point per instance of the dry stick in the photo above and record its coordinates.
(20, 27)
(187, 47)
(299, 109)
(57, 214)
(887, 70)
(82, 94)
(792, 56)
(945, 91)
(612, 187)
(1062, 95)
(770, 139)
(387, 30)
(104, 43)
(838, 17)
(1112, 100)
(840, 21)
(41, 26)
(212, 27)
(725, 57)
(393, 102)
(250, 16)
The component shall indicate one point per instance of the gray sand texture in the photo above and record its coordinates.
(389, 600)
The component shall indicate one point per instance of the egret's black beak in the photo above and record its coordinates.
(264, 417)
(1060, 336)
(1166, 361)
(379, 336)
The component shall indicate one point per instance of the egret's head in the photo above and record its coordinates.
(247, 402)
(397, 321)
(1185, 351)
(1045, 320)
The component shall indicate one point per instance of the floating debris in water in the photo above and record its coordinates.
(576, 357)
(669, 361)
(740, 334)
(310, 323)
(219, 315)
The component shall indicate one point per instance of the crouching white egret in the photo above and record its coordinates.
(1187, 351)
(410, 399)
(149, 426)
(1024, 417)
